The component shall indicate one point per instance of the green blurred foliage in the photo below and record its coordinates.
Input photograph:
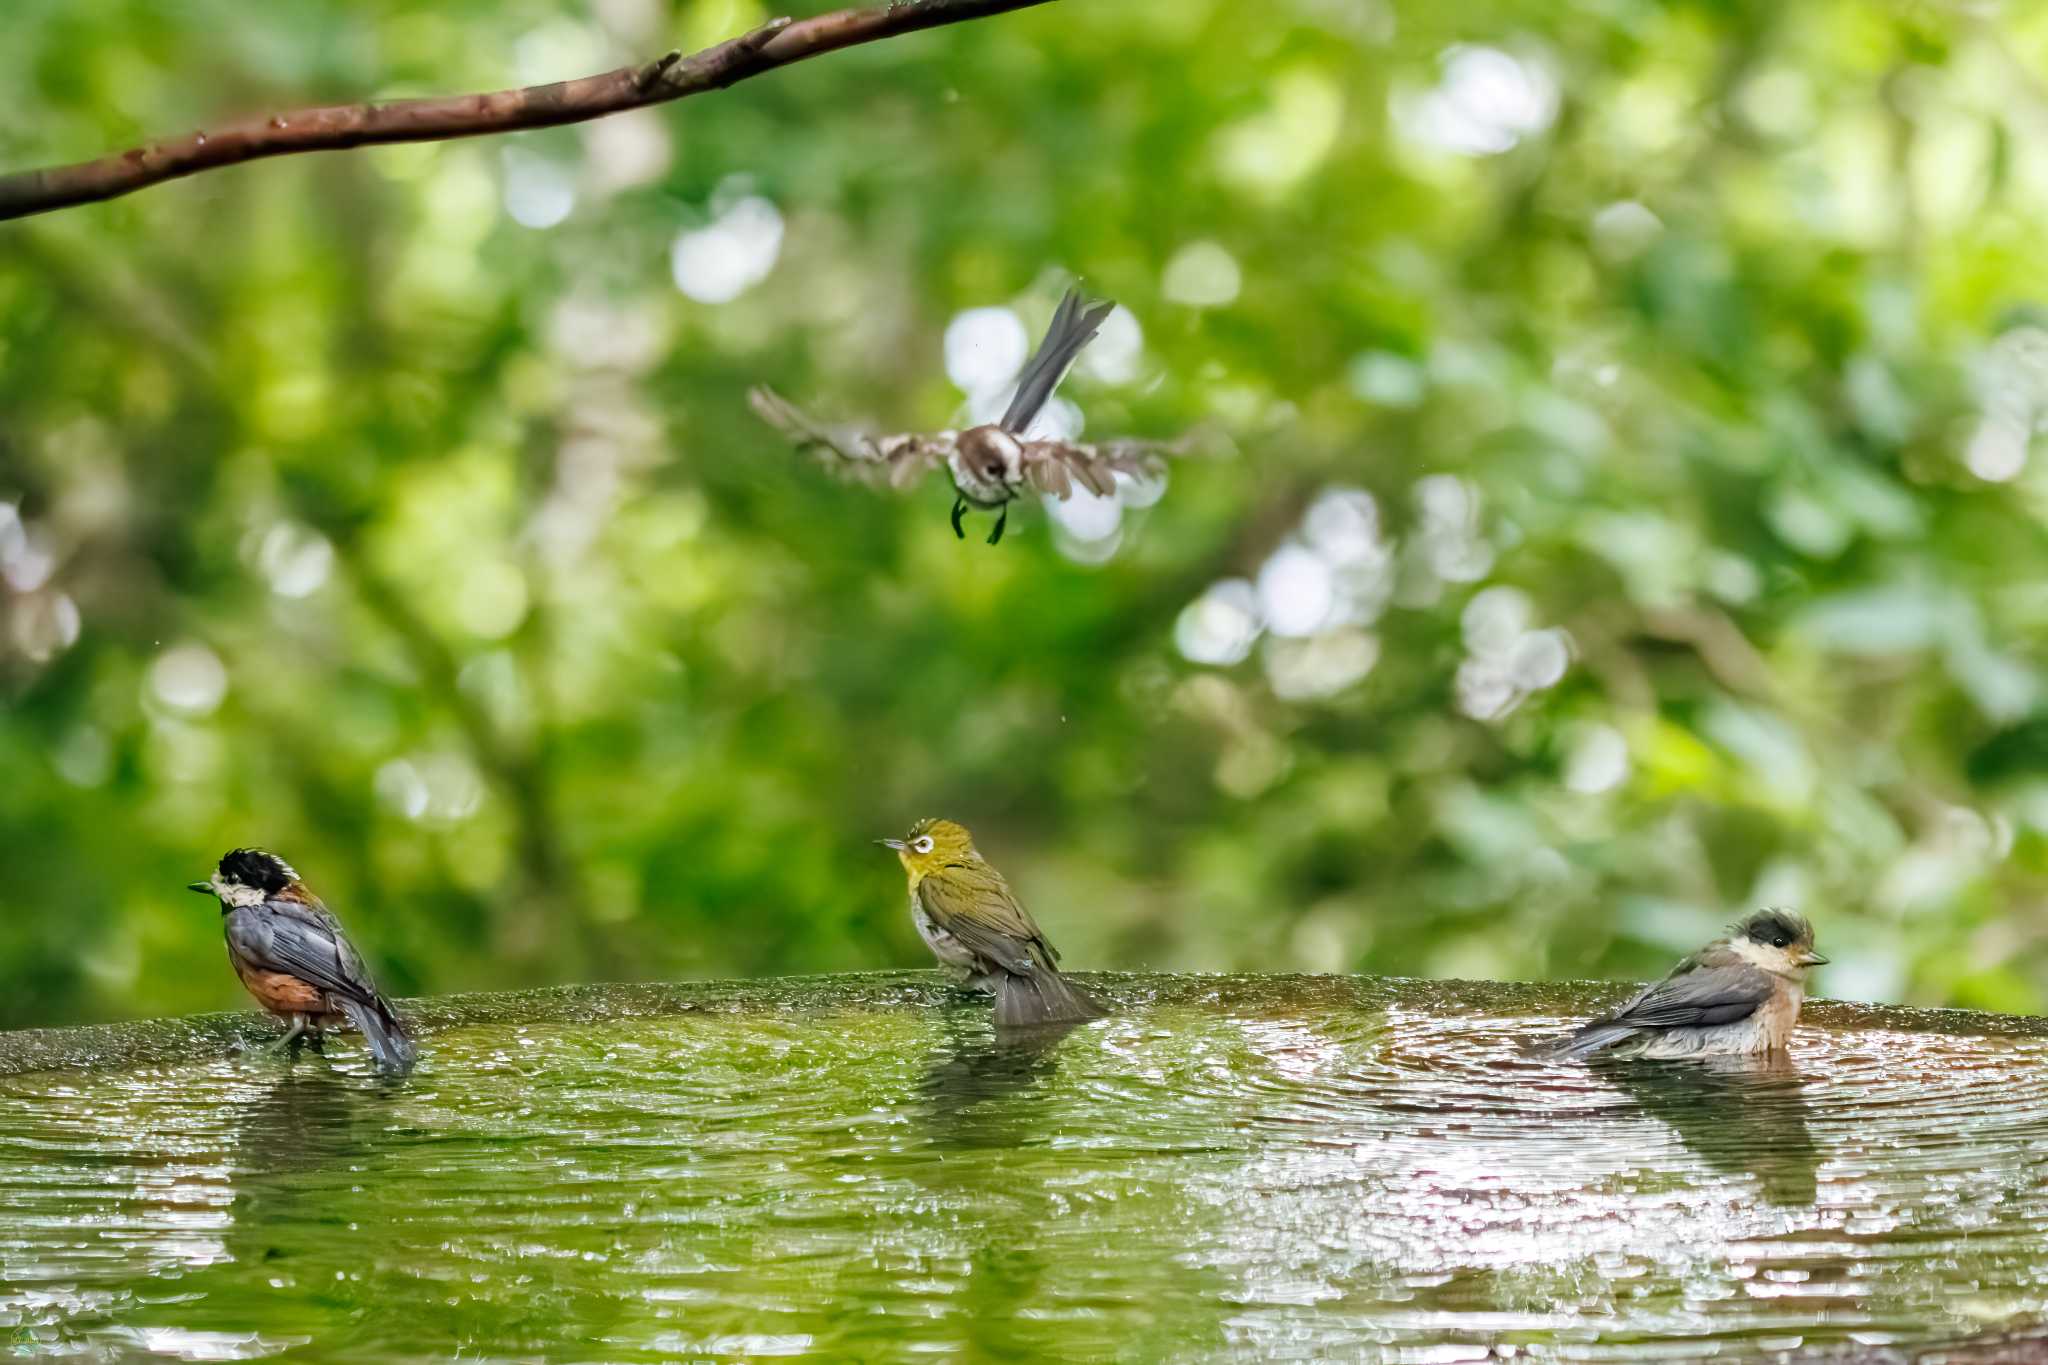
(1690, 355)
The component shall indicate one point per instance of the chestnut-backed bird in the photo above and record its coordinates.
(293, 956)
(995, 463)
(980, 933)
(1738, 995)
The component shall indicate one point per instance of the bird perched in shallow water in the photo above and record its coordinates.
(295, 959)
(1739, 994)
(967, 916)
(993, 464)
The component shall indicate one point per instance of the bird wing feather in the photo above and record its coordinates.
(1698, 994)
(1056, 466)
(1047, 472)
(900, 459)
(304, 941)
(976, 907)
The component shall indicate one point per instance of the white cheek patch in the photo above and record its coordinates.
(1751, 951)
(987, 464)
(1775, 960)
(969, 481)
(1012, 453)
(236, 894)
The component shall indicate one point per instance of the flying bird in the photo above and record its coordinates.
(992, 464)
(1738, 995)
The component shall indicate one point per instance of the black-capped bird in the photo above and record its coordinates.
(294, 958)
(993, 464)
(972, 922)
(1738, 995)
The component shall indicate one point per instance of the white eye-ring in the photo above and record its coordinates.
(923, 843)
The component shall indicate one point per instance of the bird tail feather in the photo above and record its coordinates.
(1591, 1038)
(1043, 997)
(1073, 327)
(384, 1032)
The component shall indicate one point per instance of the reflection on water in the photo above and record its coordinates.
(972, 1067)
(1221, 1170)
(1738, 1115)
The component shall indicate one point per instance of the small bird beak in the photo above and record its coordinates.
(1809, 958)
(206, 887)
(896, 844)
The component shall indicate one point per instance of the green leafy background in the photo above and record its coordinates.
(1696, 348)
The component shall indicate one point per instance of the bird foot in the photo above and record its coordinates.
(294, 1038)
(959, 510)
(1002, 520)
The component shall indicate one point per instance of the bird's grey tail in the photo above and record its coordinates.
(384, 1032)
(1597, 1036)
(1043, 997)
(1073, 327)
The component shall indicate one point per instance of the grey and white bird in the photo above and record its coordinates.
(993, 464)
(1738, 995)
(293, 956)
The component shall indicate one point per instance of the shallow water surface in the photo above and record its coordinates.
(1266, 1169)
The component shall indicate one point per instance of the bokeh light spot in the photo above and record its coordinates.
(985, 347)
(1086, 516)
(1599, 760)
(538, 193)
(1486, 102)
(1296, 591)
(491, 599)
(1220, 626)
(1201, 275)
(1118, 347)
(733, 253)
(189, 678)
(295, 559)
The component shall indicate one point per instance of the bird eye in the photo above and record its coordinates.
(1780, 941)
(923, 844)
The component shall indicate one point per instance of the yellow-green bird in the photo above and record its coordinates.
(967, 915)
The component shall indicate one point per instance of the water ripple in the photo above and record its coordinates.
(1222, 1170)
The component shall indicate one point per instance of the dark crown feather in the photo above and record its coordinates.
(1773, 925)
(259, 868)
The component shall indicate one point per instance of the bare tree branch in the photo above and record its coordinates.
(336, 127)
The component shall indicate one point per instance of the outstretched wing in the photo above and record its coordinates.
(1056, 466)
(897, 460)
(1073, 326)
